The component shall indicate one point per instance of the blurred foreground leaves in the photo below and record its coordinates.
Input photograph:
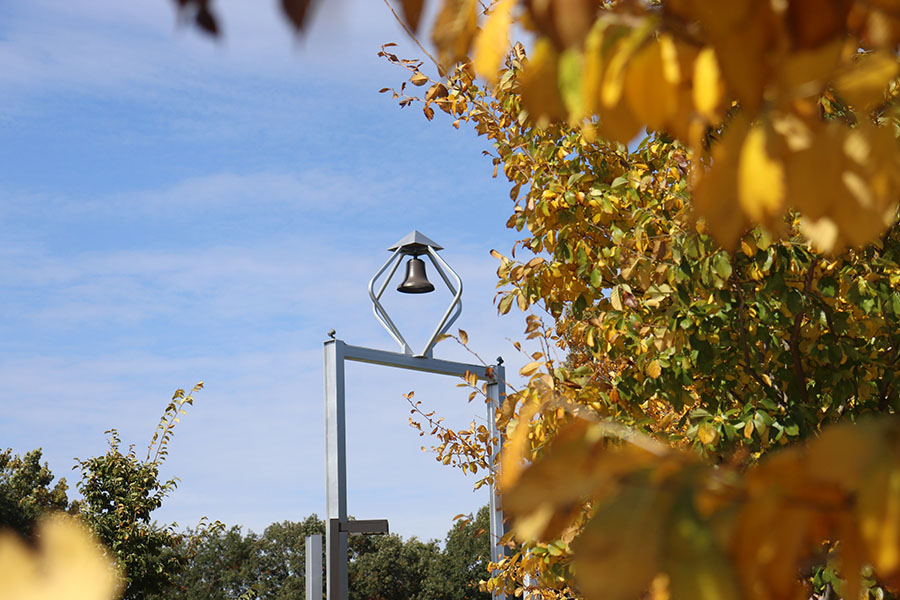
(65, 561)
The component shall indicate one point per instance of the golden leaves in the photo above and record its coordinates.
(619, 72)
(651, 82)
(715, 532)
(708, 86)
(565, 22)
(715, 197)
(863, 85)
(707, 433)
(454, 29)
(879, 512)
(626, 527)
(68, 563)
(540, 94)
(493, 41)
(846, 184)
(761, 177)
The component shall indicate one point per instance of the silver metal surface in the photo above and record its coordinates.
(496, 397)
(413, 363)
(335, 469)
(313, 551)
(413, 240)
(380, 314)
(446, 320)
(336, 354)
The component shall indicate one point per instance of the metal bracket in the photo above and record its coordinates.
(364, 527)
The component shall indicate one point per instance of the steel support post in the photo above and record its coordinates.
(496, 397)
(336, 354)
(313, 551)
(335, 471)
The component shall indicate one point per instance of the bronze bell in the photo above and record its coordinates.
(415, 281)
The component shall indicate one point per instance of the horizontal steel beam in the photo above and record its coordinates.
(415, 363)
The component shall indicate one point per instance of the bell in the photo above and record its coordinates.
(415, 282)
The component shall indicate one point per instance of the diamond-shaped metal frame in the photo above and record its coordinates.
(416, 244)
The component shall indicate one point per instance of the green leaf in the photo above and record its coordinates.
(722, 265)
(618, 182)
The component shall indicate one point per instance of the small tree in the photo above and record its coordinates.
(26, 492)
(121, 491)
(463, 564)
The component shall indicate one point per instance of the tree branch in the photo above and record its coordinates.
(795, 334)
(742, 329)
(413, 37)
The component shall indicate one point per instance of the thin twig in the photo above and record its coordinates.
(414, 38)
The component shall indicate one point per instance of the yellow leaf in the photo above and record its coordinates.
(761, 177)
(513, 456)
(619, 123)
(606, 553)
(668, 52)
(697, 567)
(593, 67)
(707, 433)
(530, 368)
(814, 173)
(454, 29)
(493, 41)
(418, 78)
(68, 563)
(522, 301)
(614, 75)
(715, 197)
(743, 51)
(879, 513)
(823, 233)
(803, 73)
(653, 369)
(720, 18)
(463, 336)
(862, 85)
(538, 84)
(651, 95)
(708, 86)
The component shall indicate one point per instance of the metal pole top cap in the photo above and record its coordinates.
(415, 243)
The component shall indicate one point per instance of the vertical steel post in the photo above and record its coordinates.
(313, 551)
(335, 471)
(496, 396)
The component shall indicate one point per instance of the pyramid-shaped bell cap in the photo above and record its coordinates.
(415, 243)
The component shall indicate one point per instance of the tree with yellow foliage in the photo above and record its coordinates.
(724, 288)
(684, 343)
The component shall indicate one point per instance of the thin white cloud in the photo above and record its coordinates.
(115, 291)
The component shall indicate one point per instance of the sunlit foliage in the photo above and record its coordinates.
(722, 288)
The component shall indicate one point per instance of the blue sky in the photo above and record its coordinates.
(175, 209)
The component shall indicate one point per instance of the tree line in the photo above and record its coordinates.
(120, 490)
